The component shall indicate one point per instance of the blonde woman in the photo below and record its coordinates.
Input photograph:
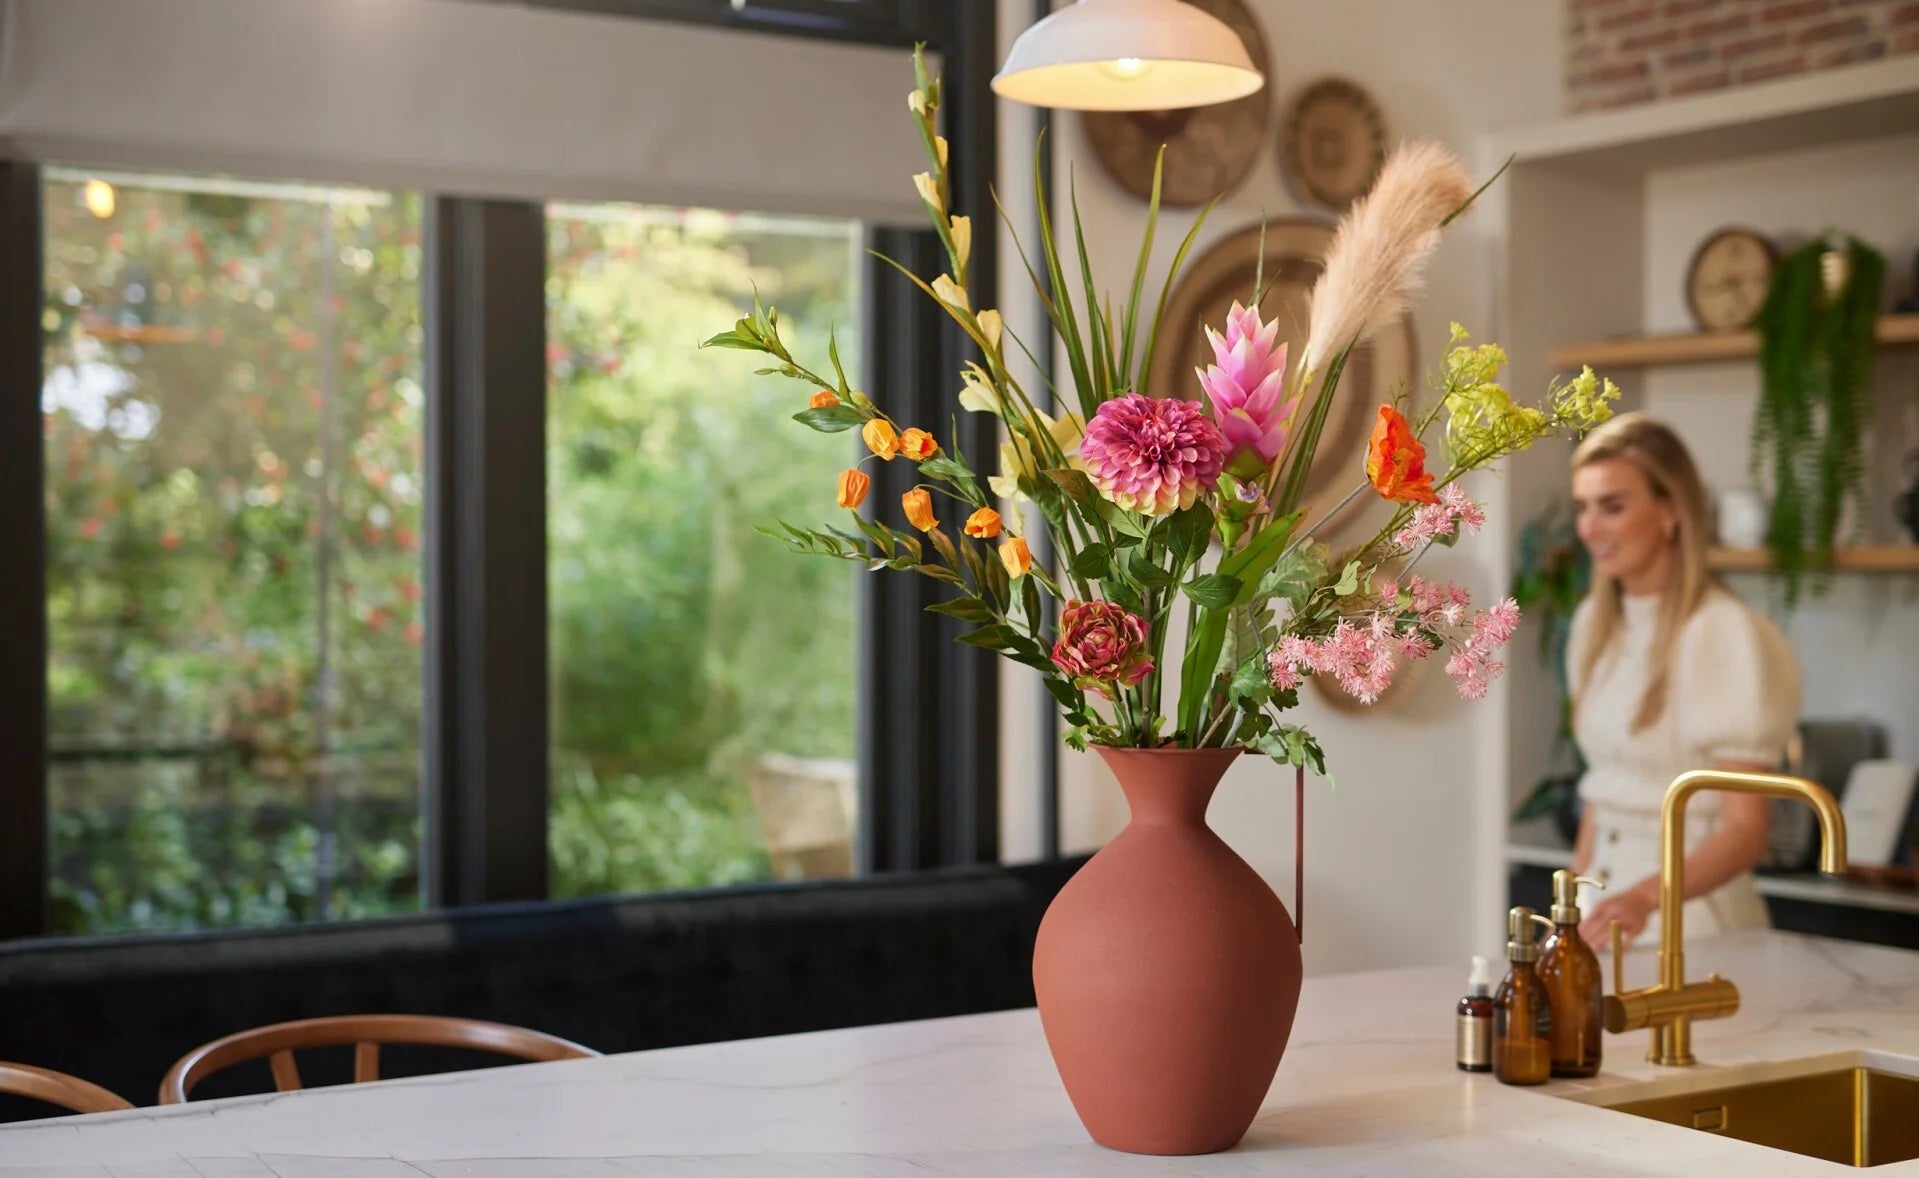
(1671, 672)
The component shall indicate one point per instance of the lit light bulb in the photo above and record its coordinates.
(98, 197)
(1125, 69)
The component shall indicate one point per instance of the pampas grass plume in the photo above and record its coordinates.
(1379, 253)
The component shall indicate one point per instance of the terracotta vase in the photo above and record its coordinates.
(1167, 971)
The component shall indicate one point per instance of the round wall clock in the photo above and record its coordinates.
(1292, 263)
(1333, 142)
(1727, 280)
(1209, 149)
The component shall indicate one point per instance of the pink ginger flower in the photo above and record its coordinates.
(1245, 383)
(1101, 644)
(1153, 455)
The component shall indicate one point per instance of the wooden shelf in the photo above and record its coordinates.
(1645, 351)
(1823, 108)
(1871, 558)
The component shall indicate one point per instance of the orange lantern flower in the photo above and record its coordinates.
(1017, 557)
(918, 445)
(918, 504)
(983, 524)
(853, 487)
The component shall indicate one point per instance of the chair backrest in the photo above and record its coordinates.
(364, 1033)
(69, 1092)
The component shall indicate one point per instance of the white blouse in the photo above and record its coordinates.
(1733, 696)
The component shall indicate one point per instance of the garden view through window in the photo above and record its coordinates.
(702, 676)
(234, 427)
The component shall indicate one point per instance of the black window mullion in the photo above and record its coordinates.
(23, 537)
(486, 745)
(880, 22)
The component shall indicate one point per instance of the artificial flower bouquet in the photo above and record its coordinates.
(1134, 486)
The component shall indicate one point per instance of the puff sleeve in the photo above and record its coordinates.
(1735, 685)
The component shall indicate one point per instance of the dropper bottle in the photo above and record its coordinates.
(1474, 1042)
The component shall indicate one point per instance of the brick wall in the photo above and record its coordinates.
(1624, 52)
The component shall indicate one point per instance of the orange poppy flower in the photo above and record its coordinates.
(1396, 460)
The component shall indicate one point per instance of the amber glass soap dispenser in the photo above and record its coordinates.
(1522, 1021)
(1574, 987)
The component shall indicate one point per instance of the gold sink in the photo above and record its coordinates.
(1857, 1108)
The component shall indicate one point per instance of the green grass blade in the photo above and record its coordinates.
(1102, 333)
(1302, 461)
(1130, 332)
(1166, 289)
(1049, 252)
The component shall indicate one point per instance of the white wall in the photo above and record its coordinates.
(1400, 825)
(1856, 645)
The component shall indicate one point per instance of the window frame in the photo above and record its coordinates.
(485, 737)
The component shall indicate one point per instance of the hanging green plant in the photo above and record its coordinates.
(1815, 360)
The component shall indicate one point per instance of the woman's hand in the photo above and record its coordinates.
(1632, 908)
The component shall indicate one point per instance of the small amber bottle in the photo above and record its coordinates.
(1569, 971)
(1474, 1042)
(1522, 1022)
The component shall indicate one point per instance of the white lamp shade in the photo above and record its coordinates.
(1128, 55)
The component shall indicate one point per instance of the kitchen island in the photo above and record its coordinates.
(1367, 1087)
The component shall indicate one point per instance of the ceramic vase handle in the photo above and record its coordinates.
(1299, 853)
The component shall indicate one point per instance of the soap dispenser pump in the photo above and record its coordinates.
(1575, 989)
(1522, 1020)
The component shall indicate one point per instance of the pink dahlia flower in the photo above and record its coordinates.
(1101, 644)
(1245, 383)
(1153, 455)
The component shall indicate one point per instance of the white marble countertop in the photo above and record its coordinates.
(1367, 1087)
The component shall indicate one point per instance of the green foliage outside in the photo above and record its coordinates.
(236, 607)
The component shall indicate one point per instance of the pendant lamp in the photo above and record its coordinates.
(1128, 55)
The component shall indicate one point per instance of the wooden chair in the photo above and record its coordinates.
(57, 1088)
(365, 1033)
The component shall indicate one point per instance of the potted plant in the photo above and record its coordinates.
(1167, 971)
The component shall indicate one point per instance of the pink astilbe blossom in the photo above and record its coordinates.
(1153, 455)
(1454, 513)
(1363, 652)
(1246, 383)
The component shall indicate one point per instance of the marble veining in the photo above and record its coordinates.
(1368, 1087)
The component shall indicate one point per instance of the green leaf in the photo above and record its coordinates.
(940, 572)
(1078, 488)
(944, 547)
(735, 339)
(1188, 532)
(1252, 685)
(966, 609)
(879, 534)
(831, 419)
(946, 466)
(1142, 570)
(1213, 590)
(991, 637)
(1259, 553)
(1348, 580)
(1296, 576)
(1029, 600)
(1122, 520)
(1094, 562)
